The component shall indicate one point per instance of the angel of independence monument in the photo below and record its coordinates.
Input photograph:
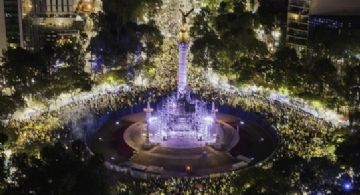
(179, 133)
(180, 120)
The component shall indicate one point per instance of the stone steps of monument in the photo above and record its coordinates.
(180, 151)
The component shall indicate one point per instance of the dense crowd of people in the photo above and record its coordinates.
(41, 126)
(189, 185)
(302, 133)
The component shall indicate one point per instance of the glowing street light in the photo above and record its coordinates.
(347, 186)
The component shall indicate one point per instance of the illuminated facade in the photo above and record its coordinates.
(336, 23)
(50, 20)
(183, 44)
(183, 123)
(298, 24)
(13, 29)
(59, 8)
(3, 43)
(180, 120)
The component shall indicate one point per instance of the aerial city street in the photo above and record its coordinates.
(179, 97)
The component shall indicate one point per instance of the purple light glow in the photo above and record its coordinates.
(182, 71)
(180, 120)
(180, 126)
(347, 186)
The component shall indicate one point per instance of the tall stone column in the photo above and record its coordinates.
(218, 126)
(182, 69)
(148, 110)
(183, 45)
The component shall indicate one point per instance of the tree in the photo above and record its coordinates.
(337, 44)
(69, 51)
(288, 68)
(319, 174)
(22, 69)
(121, 35)
(3, 169)
(8, 104)
(348, 152)
(67, 79)
(129, 11)
(262, 181)
(272, 12)
(59, 170)
(323, 72)
(206, 44)
(225, 38)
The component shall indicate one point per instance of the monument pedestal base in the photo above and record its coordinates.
(148, 145)
(217, 146)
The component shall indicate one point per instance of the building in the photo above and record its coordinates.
(336, 31)
(54, 8)
(3, 43)
(12, 23)
(306, 15)
(32, 23)
(50, 20)
(335, 14)
(298, 24)
(335, 24)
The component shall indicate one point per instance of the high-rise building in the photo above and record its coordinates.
(54, 8)
(335, 15)
(50, 20)
(298, 24)
(305, 15)
(334, 23)
(13, 22)
(12, 11)
(3, 43)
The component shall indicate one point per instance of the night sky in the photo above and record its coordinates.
(341, 7)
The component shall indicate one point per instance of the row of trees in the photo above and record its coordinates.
(62, 169)
(224, 37)
(225, 40)
(125, 40)
(38, 73)
(59, 68)
(316, 175)
(59, 169)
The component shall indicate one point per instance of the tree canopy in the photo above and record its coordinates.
(59, 170)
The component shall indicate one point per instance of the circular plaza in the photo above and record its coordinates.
(122, 142)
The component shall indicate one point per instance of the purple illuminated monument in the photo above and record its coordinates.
(183, 45)
(182, 121)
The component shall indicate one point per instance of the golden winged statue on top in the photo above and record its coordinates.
(185, 15)
(183, 36)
